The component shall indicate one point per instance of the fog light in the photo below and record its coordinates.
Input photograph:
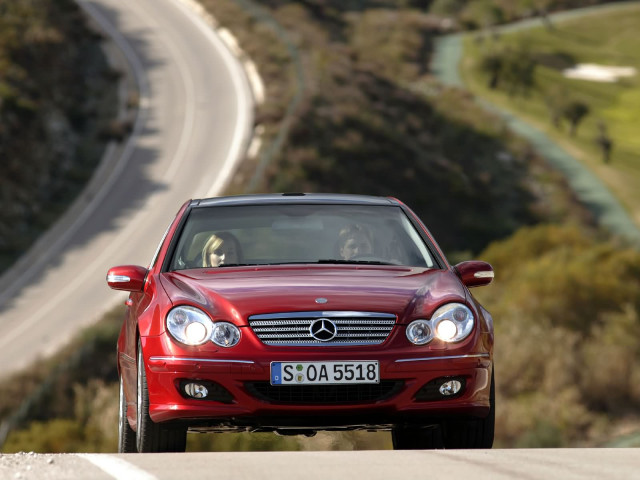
(442, 388)
(204, 390)
(450, 387)
(196, 390)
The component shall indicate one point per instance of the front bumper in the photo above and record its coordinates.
(246, 408)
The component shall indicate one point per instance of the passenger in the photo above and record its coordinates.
(396, 253)
(354, 241)
(220, 249)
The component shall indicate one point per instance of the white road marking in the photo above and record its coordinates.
(189, 88)
(233, 156)
(117, 467)
(141, 80)
(139, 74)
(242, 130)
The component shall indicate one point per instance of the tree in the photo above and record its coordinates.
(555, 100)
(574, 112)
(539, 8)
(482, 14)
(604, 141)
(515, 69)
(519, 71)
(492, 65)
(542, 9)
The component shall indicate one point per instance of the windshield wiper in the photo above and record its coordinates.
(323, 261)
(234, 265)
(260, 264)
(354, 262)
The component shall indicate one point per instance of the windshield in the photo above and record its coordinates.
(281, 234)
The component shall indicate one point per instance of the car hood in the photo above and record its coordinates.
(243, 291)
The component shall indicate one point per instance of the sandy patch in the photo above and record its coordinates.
(598, 73)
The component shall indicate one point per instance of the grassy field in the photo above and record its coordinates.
(609, 39)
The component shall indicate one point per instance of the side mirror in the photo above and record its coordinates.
(474, 273)
(129, 278)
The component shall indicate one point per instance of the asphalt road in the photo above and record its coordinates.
(543, 464)
(194, 121)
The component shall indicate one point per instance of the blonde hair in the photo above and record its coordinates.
(214, 243)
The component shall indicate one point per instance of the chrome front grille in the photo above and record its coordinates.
(344, 328)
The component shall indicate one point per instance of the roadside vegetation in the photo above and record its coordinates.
(567, 352)
(349, 81)
(371, 120)
(57, 105)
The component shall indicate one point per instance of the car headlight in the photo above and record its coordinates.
(419, 332)
(189, 325)
(225, 334)
(450, 323)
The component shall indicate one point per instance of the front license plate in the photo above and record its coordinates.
(324, 373)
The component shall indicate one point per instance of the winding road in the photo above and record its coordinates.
(193, 123)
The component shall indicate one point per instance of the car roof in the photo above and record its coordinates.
(294, 198)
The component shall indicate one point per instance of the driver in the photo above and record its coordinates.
(353, 241)
(221, 249)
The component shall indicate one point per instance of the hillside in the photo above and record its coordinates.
(365, 116)
(57, 97)
(350, 108)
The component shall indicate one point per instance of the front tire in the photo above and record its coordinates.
(416, 437)
(476, 433)
(126, 434)
(151, 436)
(467, 433)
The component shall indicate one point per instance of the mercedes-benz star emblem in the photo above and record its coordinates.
(323, 330)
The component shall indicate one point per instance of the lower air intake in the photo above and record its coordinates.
(324, 394)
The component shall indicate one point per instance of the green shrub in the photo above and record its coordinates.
(565, 307)
(55, 436)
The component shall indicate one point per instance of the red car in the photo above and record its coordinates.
(296, 313)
